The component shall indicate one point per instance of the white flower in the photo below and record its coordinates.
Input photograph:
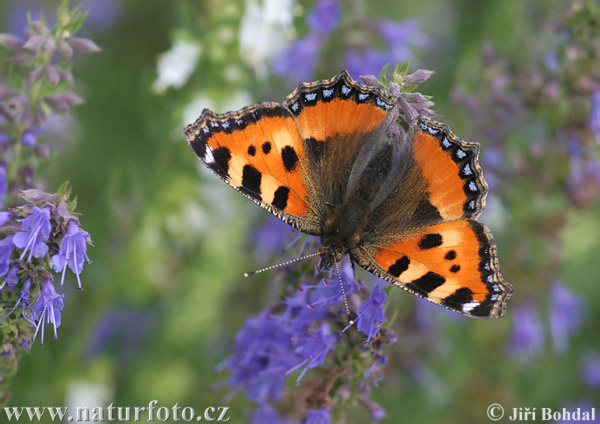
(265, 32)
(176, 65)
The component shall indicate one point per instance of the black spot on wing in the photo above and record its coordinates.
(455, 268)
(290, 158)
(280, 198)
(450, 255)
(459, 297)
(251, 150)
(251, 179)
(399, 266)
(429, 282)
(222, 156)
(199, 145)
(429, 241)
(266, 147)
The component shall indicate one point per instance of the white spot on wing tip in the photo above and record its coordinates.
(468, 307)
(311, 96)
(327, 93)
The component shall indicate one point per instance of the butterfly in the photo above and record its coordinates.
(405, 211)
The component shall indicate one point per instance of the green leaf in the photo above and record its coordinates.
(77, 22)
(383, 74)
(63, 187)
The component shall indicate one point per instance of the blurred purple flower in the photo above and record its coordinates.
(371, 313)
(527, 339)
(298, 314)
(325, 16)
(12, 278)
(300, 60)
(265, 414)
(401, 37)
(374, 374)
(269, 238)
(122, 328)
(263, 352)
(375, 410)
(365, 62)
(72, 253)
(328, 292)
(318, 416)
(28, 138)
(576, 413)
(590, 372)
(595, 114)
(4, 138)
(47, 309)
(5, 217)
(314, 348)
(16, 18)
(3, 184)
(101, 13)
(36, 229)
(565, 316)
(6, 249)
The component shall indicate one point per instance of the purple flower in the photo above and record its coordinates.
(269, 238)
(329, 292)
(12, 278)
(565, 316)
(6, 249)
(400, 37)
(298, 314)
(265, 414)
(595, 114)
(263, 352)
(122, 328)
(3, 184)
(5, 217)
(47, 309)
(36, 229)
(374, 374)
(299, 61)
(365, 62)
(371, 313)
(313, 347)
(28, 138)
(73, 251)
(527, 339)
(325, 16)
(318, 416)
(590, 372)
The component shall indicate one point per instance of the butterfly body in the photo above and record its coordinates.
(403, 210)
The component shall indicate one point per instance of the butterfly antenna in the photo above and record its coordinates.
(343, 292)
(291, 261)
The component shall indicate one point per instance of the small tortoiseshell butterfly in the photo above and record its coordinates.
(322, 162)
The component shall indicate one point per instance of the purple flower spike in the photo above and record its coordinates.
(314, 348)
(595, 115)
(565, 316)
(527, 340)
(3, 185)
(325, 17)
(47, 309)
(300, 60)
(318, 416)
(35, 231)
(6, 249)
(72, 253)
(28, 139)
(591, 370)
(371, 313)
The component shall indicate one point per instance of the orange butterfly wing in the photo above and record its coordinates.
(259, 152)
(453, 264)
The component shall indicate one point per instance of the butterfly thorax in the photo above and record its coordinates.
(343, 230)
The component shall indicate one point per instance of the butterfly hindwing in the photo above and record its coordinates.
(259, 152)
(453, 264)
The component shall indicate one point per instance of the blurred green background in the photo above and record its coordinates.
(165, 295)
